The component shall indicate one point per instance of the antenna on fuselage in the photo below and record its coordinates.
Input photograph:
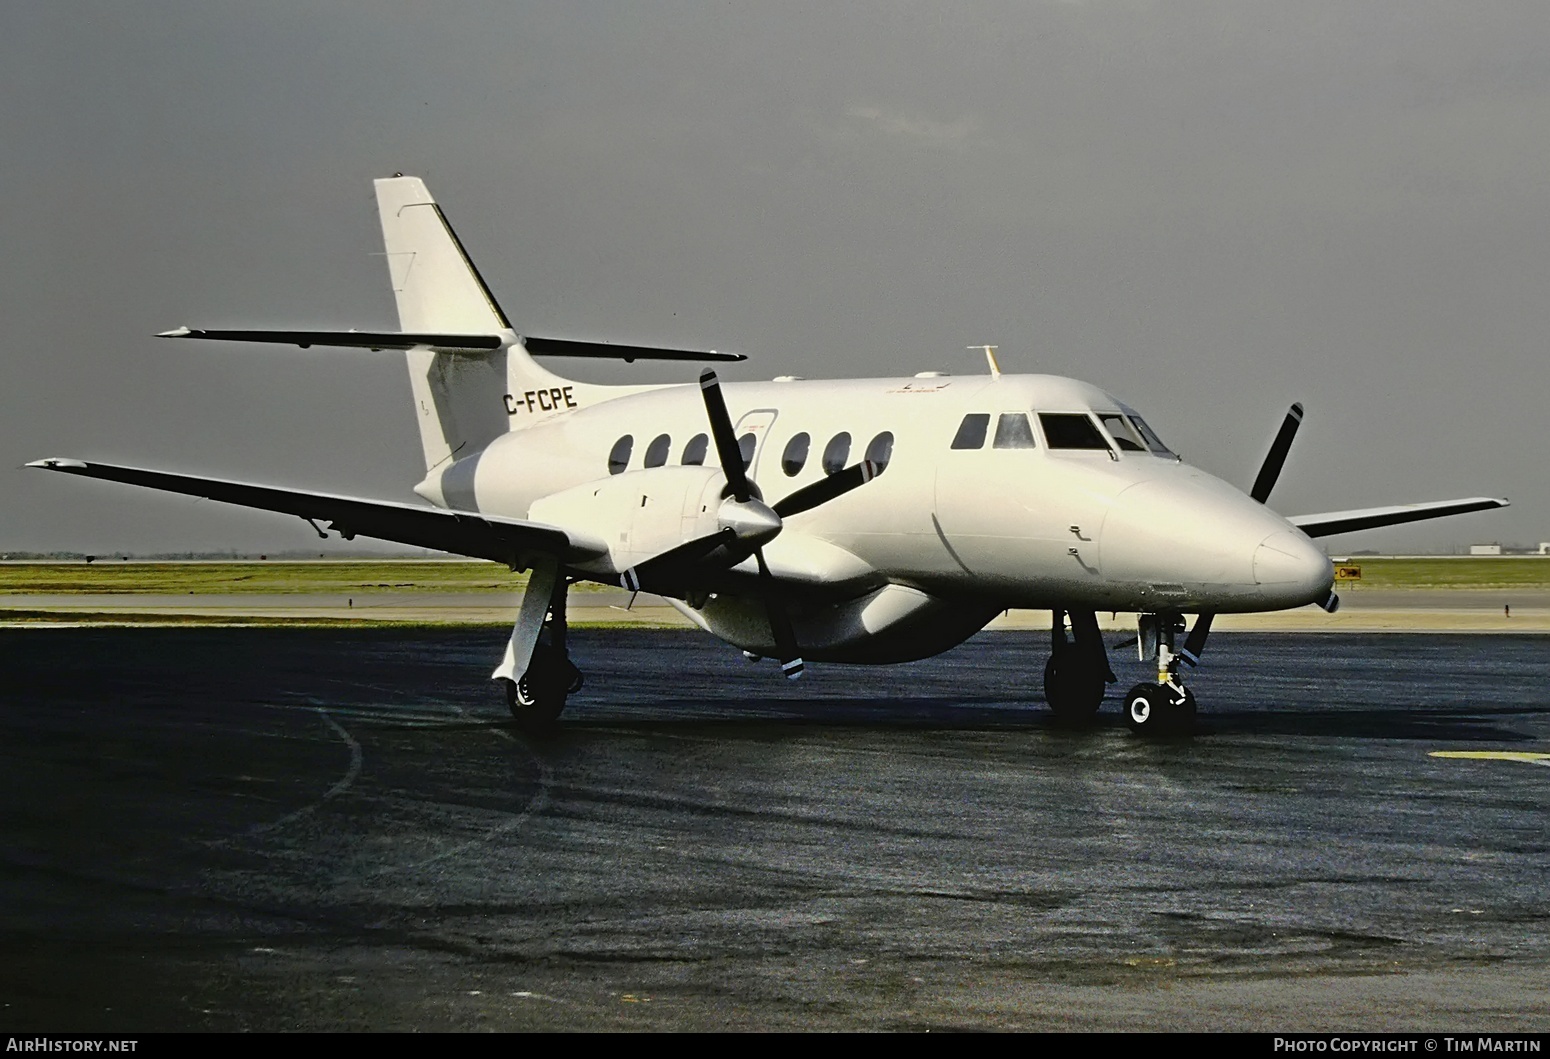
(990, 356)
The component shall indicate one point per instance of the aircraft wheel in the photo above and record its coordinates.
(537, 700)
(1154, 709)
(1073, 691)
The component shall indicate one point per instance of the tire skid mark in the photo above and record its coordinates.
(352, 772)
(535, 805)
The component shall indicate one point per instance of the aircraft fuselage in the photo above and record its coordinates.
(1011, 519)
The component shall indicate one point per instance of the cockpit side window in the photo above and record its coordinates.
(1153, 442)
(1072, 430)
(1122, 432)
(1013, 431)
(971, 432)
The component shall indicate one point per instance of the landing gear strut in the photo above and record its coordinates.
(537, 688)
(1077, 673)
(1166, 707)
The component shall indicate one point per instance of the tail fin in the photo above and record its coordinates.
(459, 398)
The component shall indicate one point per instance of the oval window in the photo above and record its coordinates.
(835, 453)
(656, 452)
(795, 457)
(745, 445)
(619, 457)
(694, 452)
(880, 451)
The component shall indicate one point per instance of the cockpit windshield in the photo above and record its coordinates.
(1120, 429)
(1130, 433)
(1153, 442)
(1072, 430)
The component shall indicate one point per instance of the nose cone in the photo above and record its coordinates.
(1291, 570)
(1195, 542)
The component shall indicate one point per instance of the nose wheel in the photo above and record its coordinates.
(1160, 709)
(1166, 706)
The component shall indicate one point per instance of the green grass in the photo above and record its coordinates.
(1465, 572)
(280, 578)
(363, 578)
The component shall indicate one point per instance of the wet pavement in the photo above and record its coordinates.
(274, 829)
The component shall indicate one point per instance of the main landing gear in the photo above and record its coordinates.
(1077, 673)
(1166, 707)
(536, 689)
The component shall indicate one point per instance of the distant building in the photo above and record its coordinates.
(1485, 549)
(1544, 547)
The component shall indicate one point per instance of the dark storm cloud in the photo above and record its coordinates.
(1211, 209)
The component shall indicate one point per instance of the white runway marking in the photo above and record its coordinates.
(1525, 756)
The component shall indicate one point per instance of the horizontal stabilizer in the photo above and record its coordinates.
(1332, 522)
(509, 541)
(454, 343)
(374, 340)
(565, 347)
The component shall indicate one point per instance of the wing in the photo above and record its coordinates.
(509, 541)
(1331, 522)
(467, 345)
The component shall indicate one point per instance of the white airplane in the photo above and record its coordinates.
(857, 520)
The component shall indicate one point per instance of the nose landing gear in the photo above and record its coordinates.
(1166, 707)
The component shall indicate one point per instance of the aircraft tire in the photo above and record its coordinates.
(1154, 710)
(1073, 691)
(537, 700)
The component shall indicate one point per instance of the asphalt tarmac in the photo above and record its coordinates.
(266, 829)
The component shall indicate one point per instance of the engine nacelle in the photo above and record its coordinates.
(638, 514)
(893, 623)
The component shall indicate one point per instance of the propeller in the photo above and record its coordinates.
(660, 569)
(835, 485)
(747, 524)
(1264, 482)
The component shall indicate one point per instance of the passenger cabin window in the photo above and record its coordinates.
(971, 432)
(1013, 431)
(1071, 430)
(656, 452)
(880, 450)
(835, 453)
(619, 455)
(1122, 432)
(795, 457)
(745, 445)
(694, 452)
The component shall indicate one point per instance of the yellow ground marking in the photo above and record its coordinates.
(1496, 755)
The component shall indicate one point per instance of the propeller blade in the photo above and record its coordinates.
(721, 430)
(1270, 470)
(835, 485)
(786, 648)
(1196, 641)
(653, 571)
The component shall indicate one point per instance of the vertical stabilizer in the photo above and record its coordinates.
(458, 398)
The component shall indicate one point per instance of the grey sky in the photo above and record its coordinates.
(1210, 209)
